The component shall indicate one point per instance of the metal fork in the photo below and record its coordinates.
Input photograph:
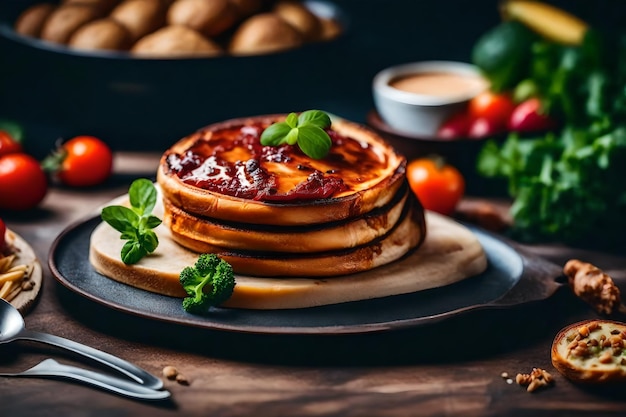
(49, 368)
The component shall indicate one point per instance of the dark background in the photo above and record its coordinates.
(149, 104)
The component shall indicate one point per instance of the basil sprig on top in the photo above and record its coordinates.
(306, 130)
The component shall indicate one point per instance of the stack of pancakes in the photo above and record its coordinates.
(273, 211)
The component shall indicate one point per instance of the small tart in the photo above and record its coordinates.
(218, 171)
(591, 351)
(203, 234)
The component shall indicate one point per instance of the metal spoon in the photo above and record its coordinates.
(52, 369)
(12, 327)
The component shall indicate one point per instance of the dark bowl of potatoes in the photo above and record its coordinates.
(142, 73)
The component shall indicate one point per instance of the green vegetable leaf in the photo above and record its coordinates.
(314, 141)
(314, 117)
(120, 218)
(275, 135)
(136, 223)
(502, 53)
(142, 196)
(152, 221)
(305, 130)
(132, 252)
(292, 120)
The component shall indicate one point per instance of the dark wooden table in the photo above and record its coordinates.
(449, 368)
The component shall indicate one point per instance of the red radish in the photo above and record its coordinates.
(528, 117)
(457, 126)
(483, 127)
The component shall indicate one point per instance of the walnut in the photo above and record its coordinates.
(593, 286)
(536, 379)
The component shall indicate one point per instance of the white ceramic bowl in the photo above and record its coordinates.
(420, 114)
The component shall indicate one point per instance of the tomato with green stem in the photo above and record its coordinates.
(439, 186)
(80, 162)
(8, 144)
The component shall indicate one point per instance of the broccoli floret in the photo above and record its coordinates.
(209, 282)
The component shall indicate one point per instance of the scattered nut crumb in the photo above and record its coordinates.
(182, 379)
(170, 372)
(536, 379)
(505, 376)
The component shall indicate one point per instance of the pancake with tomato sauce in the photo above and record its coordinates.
(274, 211)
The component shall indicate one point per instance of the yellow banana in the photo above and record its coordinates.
(548, 21)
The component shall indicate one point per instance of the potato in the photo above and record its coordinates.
(103, 6)
(175, 41)
(298, 16)
(65, 20)
(210, 18)
(264, 33)
(330, 29)
(140, 17)
(246, 8)
(31, 20)
(103, 33)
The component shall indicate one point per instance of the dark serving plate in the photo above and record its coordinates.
(148, 104)
(512, 278)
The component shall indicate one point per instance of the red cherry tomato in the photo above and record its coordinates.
(456, 127)
(8, 144)
(23, 184)
(483, 127)
(85, 161)
(438, 186)
(528, 117)
(496, 108)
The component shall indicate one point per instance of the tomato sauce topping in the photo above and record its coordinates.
(233, 162)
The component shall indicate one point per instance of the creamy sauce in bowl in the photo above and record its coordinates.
(439, 84)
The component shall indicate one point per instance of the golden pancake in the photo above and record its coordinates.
(222, 172)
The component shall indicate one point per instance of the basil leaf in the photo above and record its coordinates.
(292, 120)
(314, 118)
(149, 241)
(142, 195)
(132, 252)
(307, 130)
(130, 235)
(275, 134)
(120, 218)
(152, 221)
(314, 141)
(292, 136)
